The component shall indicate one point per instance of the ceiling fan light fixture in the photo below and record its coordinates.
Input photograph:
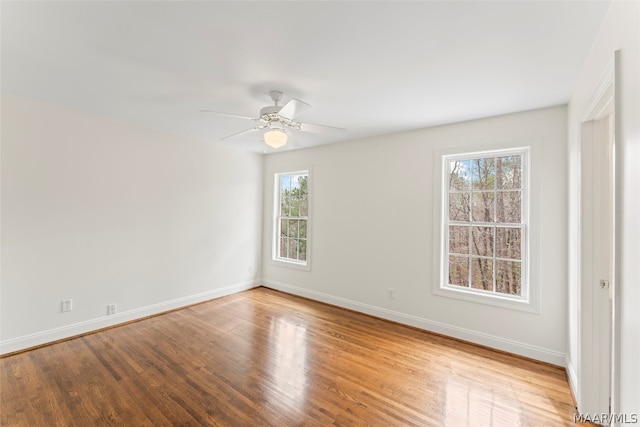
(275, 138)
(276, 122)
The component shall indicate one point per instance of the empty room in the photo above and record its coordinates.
(383, 213)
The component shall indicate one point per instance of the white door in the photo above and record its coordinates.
(597, 258)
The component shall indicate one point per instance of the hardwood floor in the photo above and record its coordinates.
(262, 357)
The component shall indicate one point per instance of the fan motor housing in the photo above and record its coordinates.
(270, 109)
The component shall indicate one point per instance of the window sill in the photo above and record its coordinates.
(291, 264)
(488, 299)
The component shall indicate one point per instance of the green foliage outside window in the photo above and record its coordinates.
(293, 217)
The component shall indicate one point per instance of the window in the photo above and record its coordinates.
(292, 218)
(485, 225)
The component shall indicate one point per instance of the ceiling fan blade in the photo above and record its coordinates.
(293, 108)
(327, 130)
(236, 116)
(243, 132)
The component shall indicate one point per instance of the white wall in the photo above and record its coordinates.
(620, 31)
(372, 229)
(104, 212)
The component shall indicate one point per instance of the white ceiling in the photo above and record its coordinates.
(371, 67)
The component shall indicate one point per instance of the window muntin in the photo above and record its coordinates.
(485, 214)
(292, 217)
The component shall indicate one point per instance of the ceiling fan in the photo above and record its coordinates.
(277, 122)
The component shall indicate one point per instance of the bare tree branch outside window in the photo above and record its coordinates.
(485, 233)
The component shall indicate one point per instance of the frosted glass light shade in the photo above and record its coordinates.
(275, 138)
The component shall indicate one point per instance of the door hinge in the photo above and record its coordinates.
(604, 284)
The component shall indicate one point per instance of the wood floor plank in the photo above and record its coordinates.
(266, 358)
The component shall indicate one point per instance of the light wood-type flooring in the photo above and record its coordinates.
(265, 358)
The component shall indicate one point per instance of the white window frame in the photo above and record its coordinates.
(528, 299)
(283, 261)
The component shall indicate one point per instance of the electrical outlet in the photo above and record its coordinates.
(111, 309)
(67, 305)
(390, 293)
(250, 269)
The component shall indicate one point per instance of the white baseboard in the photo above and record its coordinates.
(515, 347)
(573, 378)
(526, 350)
(51, 335)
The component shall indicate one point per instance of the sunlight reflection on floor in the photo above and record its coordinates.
(289, 364)
(473, 406)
